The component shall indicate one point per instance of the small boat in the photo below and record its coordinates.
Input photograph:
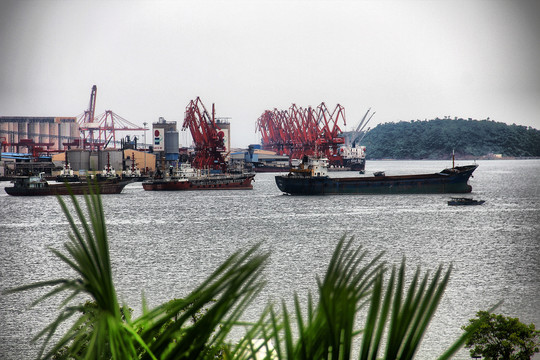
(311, 178)
(133, 173)
(457, 201)
(108, 172)
(38, 186)
(67, 174)
(184, 177)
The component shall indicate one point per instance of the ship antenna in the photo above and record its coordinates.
(453, 159)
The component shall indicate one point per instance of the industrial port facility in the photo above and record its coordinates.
(90, 142)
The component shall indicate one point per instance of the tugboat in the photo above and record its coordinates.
(133, 172)
(108, 171)
(38, 186)
(184, 177)
(67, 174)
(311, 178)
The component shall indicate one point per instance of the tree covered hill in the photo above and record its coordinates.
(435, 139)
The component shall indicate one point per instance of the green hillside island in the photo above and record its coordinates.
(437, 138)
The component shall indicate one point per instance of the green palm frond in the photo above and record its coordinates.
(404, 318)
(324, 330)
(223, 296)
(396, 314)
(98, 332)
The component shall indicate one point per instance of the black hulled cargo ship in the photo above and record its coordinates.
(311, 178)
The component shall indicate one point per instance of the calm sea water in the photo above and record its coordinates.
(164, 244)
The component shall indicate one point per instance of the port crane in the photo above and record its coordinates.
(354, 137)
(329, 138)
(208, 139)
(100, 131)
(303, 131)
(87, 126)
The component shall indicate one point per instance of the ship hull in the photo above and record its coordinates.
(355, 165)
(359, 166)
(447, 181)
(219, 182)
(105, 187)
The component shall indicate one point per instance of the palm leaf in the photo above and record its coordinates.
(326, 330)
(222, 298)
(100, 332)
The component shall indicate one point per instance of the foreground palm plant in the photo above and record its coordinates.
(101, 331)
(326, 329)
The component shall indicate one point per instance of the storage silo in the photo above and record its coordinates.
(74, 132)
(33, 131)
(44, 132)
(225, 126)
(12, 135)
(22, 131)
(64, 133)
(53, 135)
(165, 141)
(172, 145)
(4, 134)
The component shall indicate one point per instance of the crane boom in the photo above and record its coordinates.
(362, 121)
(368, 120)
(90, 113)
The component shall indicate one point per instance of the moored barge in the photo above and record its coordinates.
(38, 186)
(185, 177)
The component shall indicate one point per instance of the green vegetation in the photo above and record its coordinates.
(396, 310)
(500, 337)
(435, 139)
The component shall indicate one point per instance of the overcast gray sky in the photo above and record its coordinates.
(406, 59)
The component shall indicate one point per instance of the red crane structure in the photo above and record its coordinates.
(87, 126)
(207, 137)
(99, 131)
(36, 149)
(110, 123)
(298, 131)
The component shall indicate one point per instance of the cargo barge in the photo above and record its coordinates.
(185, 177)
(38, 186)
(311, 178)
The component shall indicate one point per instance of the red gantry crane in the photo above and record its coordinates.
(207, 136)
(303, 131)
(329, 138)
(100, 131)
(88, 127)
